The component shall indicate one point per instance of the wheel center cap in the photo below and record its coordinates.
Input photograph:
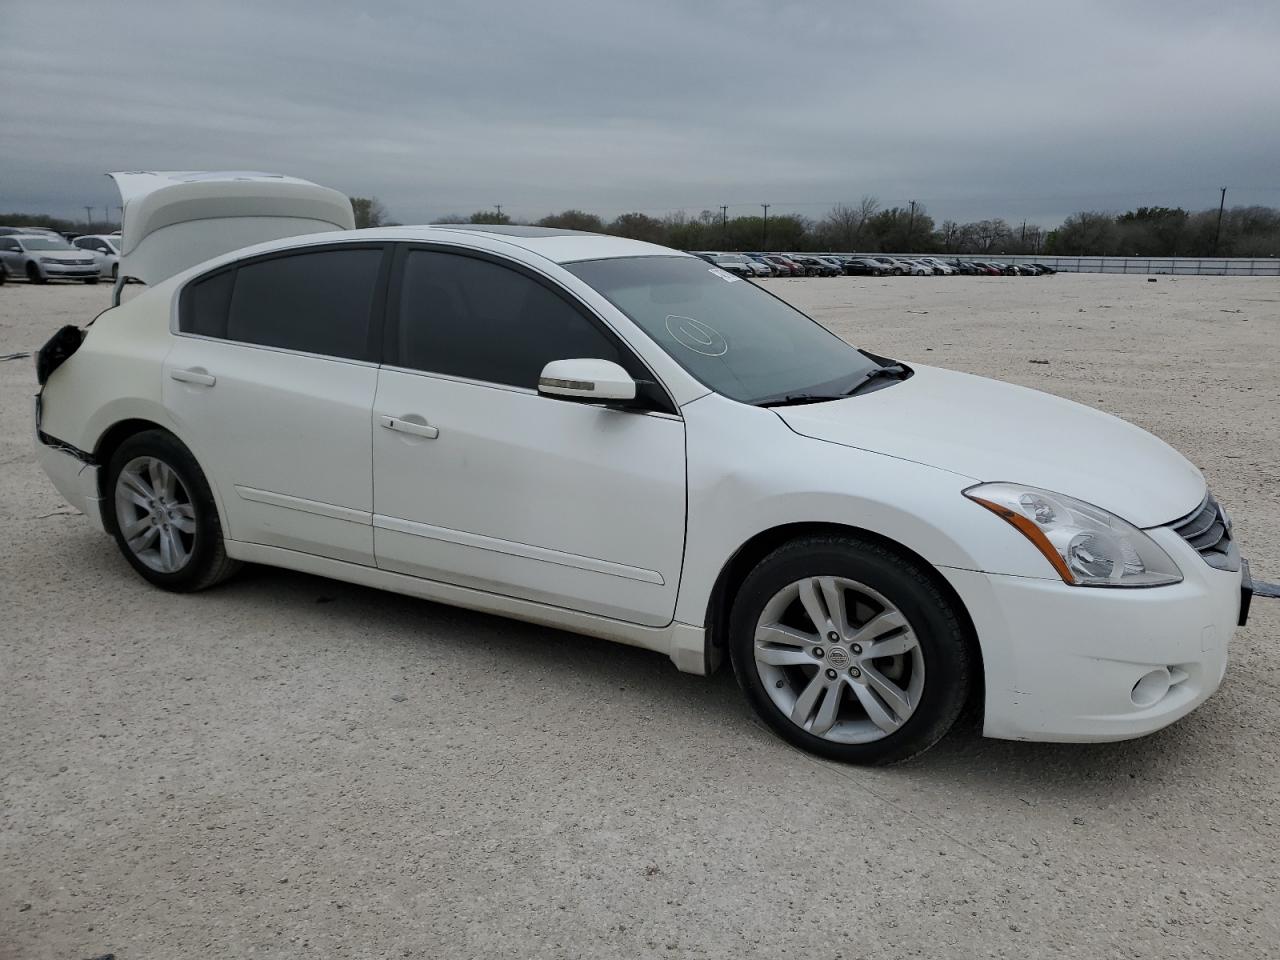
(838, 657)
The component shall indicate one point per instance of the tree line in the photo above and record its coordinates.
(867, 227)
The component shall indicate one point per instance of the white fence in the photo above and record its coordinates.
(1188, 266)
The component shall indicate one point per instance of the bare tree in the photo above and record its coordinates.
(987, 234)
(844, 226)
(369, 212)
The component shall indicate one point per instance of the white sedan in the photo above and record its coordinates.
(627, 442)
(105, 249)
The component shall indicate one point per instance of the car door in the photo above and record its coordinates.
(11, 256)
(271, 379)
(482, 482)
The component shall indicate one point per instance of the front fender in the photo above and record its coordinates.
(749, 473)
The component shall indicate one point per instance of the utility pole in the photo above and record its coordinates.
(724, 224)
(499, 206)
(911, 223)
(1218, 233)
(88, 217)
(765, 240)
(1024, 236)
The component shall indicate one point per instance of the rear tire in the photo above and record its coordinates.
(850, 703)
(160, 510)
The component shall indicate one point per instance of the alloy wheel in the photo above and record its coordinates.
(839, 659)
(156, 516)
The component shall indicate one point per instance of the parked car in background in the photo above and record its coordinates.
(815, 266)
(895, 267)
(864, 267)
(940, 267)
(602, 436)
(765, 268)
(990, 269)
(1044, 269)
(105, 249)
(734, 263)
(41, 257)
(792, 268)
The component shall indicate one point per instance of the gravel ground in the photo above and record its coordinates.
(292, 767)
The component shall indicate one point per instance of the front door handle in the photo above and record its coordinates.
(408, 426)
(198, 377)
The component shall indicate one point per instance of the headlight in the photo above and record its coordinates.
(1089, 547)
(48, 259)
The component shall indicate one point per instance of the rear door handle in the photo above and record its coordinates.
(408, 426)
(194, 376)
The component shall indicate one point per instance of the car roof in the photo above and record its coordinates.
(559, 246)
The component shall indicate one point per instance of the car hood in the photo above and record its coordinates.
(988, 430)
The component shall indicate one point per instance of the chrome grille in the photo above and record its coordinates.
(1208, 529)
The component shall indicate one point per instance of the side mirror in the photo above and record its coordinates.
(598, 381)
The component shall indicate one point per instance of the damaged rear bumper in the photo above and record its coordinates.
(72, 473)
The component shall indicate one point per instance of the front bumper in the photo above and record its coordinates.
(70, 270)
(1078, 664)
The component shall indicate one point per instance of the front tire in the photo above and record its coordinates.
(90, 279)
(34, 275)
(163, 516)
(848, 649)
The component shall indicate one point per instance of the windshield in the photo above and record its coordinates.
(43, 243)
(739, 340)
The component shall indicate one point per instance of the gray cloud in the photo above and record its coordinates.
(1008, 109)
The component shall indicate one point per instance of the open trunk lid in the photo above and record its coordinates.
(176, 219)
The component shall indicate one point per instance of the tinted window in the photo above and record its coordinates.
(205, 304)
(471, 318)
(318, 302)
(734, 337)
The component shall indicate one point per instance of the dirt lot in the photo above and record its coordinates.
(291, 767)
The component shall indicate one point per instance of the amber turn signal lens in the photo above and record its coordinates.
(1027, 527)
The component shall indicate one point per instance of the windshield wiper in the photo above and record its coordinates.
(794, 399)
(895, 370)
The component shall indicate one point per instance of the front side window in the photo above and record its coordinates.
(732, 336)
(472, 318)
(319, 301)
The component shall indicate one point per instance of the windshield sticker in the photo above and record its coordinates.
(697, 336)
(724, 275)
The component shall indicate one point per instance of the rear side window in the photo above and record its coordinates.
(316, 302)
(205, 305)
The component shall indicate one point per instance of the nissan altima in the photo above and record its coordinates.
(621, 440)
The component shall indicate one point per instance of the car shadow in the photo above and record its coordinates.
(648, 684)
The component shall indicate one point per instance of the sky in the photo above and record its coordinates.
(976, 109)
